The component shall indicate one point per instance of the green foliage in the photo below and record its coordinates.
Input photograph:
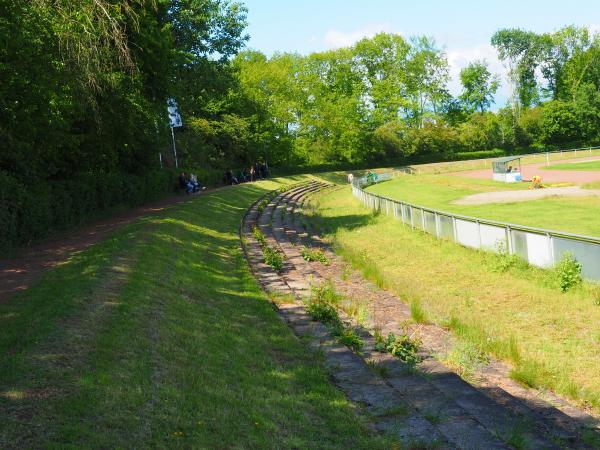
(326, 293)
(322, 307)
(83, 102)
(403, 347)
(479, 86)
(466, 358)
(568, 272)
(349, 338)
(417, 312)
(28, 211)
(314, 254)
(273, 257)
(324, 313)
(259, 236)
(503, 260)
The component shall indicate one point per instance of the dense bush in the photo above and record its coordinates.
(29, 211)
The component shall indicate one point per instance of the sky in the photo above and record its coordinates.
(462, 28)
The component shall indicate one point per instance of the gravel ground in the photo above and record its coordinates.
(525, 195)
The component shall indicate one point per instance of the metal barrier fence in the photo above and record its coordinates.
(540, 247)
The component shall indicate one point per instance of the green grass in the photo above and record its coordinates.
(518, 315)
(569, 214)
(588, 165)
(159, 337)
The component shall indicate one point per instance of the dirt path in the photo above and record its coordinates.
(552, 176)
(24, 269)
(525, 195)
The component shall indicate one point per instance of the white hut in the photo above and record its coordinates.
(507, 169)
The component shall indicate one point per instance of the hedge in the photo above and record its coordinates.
(30, 212)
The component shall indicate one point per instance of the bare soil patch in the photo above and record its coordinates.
(525, 195)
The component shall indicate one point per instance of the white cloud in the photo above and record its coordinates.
(337, 38)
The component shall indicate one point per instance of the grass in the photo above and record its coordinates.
(518, 315)
(588, 165)
(160, 337)
(568, 214)
(466, 359)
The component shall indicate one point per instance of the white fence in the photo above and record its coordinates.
(542, 248)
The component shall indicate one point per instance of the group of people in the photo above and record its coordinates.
(189, 184)
(257, 171)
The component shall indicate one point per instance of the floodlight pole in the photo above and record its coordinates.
(174, 147)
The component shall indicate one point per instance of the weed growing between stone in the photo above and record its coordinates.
(403, 347)
(322, 307)
(272, 256)
(314, 255)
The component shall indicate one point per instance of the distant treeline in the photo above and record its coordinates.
(387, 98)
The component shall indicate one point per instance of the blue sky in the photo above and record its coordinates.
(462, 28)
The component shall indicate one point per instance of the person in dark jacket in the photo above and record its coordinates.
(184, 183)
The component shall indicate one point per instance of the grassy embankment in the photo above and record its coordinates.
(160, 337)
(569, 214)
(497, 305)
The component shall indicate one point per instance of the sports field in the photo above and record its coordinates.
(584, 165)
(563, 213)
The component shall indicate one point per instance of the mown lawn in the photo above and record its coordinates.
(499, 305)
(159, 337)
(569, 214)
(589, 165)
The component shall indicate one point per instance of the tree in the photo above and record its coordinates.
(479, 86)
(520, 50)
(427, 80)
(381, 62)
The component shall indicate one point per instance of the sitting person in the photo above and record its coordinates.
(186, 184)
(194, 180)
(229, 178)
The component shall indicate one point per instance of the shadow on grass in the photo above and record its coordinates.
(193, 356)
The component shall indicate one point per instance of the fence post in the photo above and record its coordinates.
(423, 219)
(509, 240)
(454, 229)
(551, 244)
(479, 232)
(438, 225)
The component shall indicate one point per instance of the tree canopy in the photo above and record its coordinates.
(84, 85)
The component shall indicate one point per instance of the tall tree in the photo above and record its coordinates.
(520, 50)
(479, 86)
